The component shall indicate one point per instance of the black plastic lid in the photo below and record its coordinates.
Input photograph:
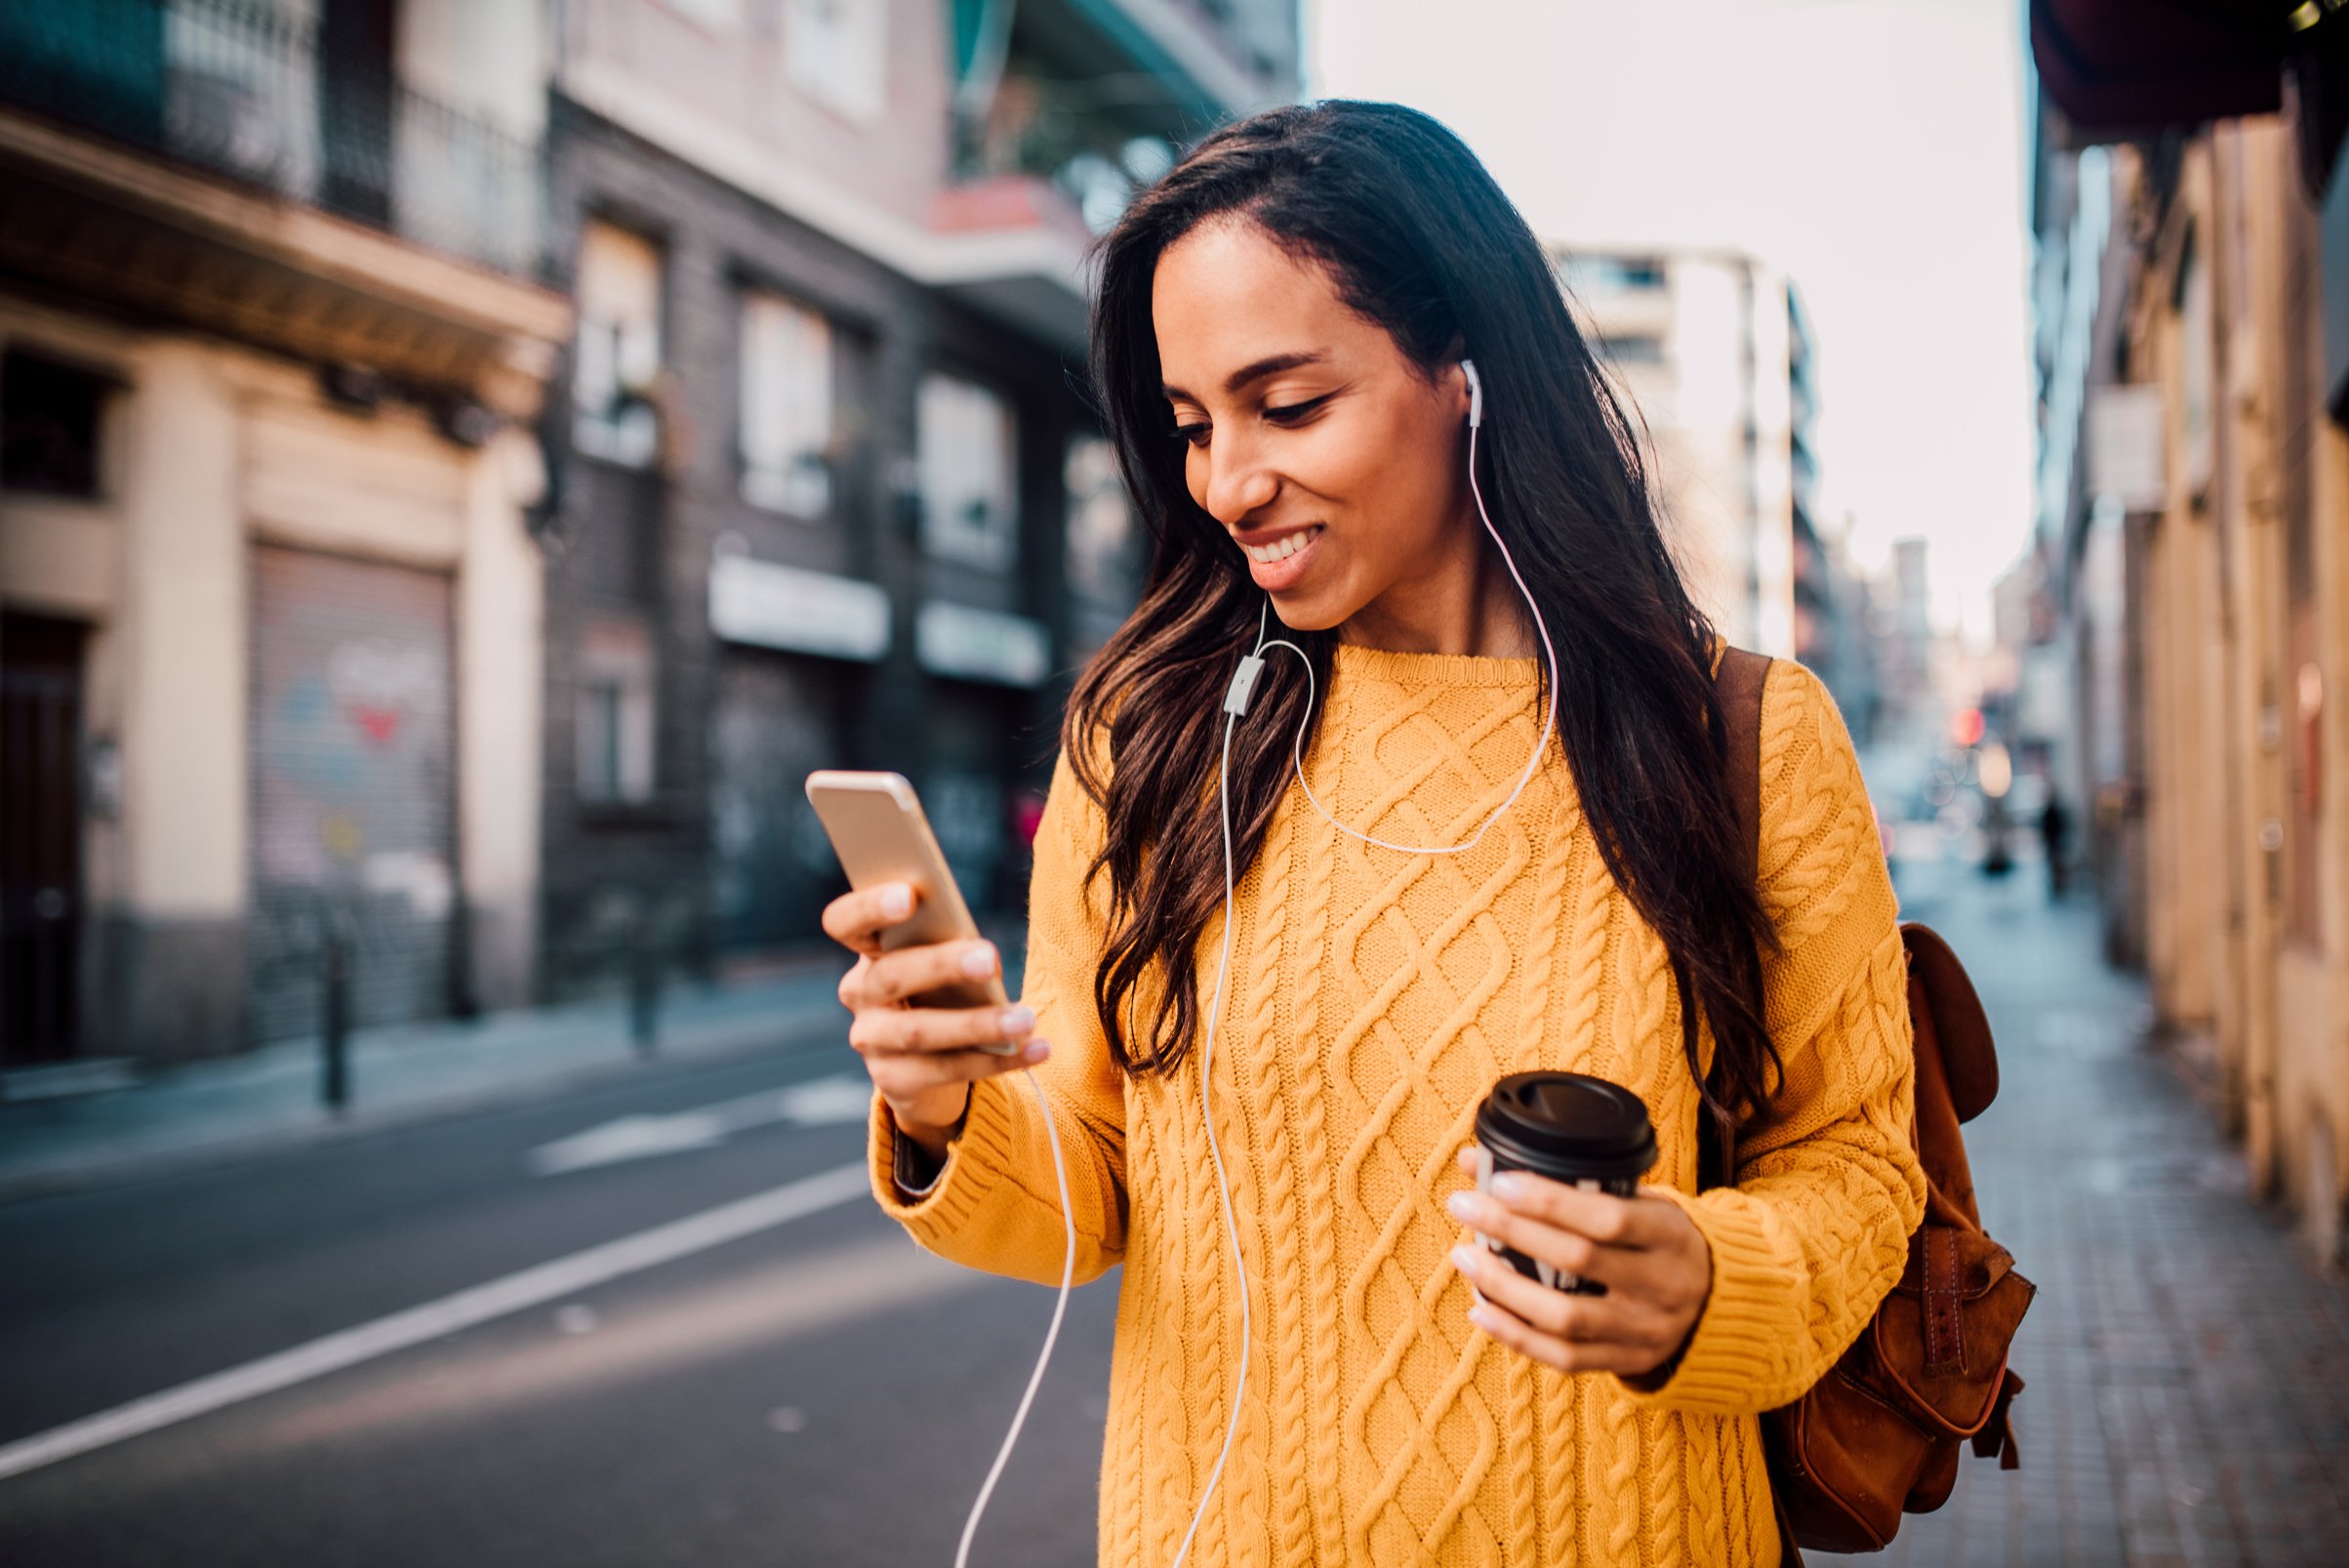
(1578, 1124)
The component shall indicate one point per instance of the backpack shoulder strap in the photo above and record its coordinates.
(1738, 679)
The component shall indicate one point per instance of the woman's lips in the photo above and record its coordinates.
(1295, 554)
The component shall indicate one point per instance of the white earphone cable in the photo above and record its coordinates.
(1060, 1309)
(1222, 1187)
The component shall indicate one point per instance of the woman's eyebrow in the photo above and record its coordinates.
(1256, 370)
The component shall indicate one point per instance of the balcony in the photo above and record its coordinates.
(1207, 60)
(231, 166)
(242, 90)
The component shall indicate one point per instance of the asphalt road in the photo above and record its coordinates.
(815, 1392)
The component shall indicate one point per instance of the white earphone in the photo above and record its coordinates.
(1236, 698)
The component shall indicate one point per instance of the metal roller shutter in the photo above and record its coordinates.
(353, 790)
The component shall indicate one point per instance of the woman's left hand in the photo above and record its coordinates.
(1653, 1260)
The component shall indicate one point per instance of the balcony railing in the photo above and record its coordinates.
(244, 90)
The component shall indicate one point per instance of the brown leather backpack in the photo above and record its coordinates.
(1879, 1435)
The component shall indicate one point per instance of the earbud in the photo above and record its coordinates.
(1476, 394)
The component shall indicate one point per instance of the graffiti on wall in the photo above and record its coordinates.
(352, 788)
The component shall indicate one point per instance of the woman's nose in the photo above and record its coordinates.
(1238, 483)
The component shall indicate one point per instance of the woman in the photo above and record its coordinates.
(1277, 344)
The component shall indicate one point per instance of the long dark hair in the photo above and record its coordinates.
(1421, 241)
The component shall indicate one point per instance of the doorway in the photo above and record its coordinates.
(40, 837)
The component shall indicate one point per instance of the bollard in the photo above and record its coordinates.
(334, 1041)
(645, 989)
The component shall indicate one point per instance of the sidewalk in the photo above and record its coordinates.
(270, 1098)
(2188, 1371)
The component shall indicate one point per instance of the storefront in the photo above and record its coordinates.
(987, 740)
(791, 680)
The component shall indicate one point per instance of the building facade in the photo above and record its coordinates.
(2195, 543)
(273, 335)
(832, 494)
(1715, 354)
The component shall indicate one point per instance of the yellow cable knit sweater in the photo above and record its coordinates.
(1374, 998)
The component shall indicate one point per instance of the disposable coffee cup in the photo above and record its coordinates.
(1583, 1131)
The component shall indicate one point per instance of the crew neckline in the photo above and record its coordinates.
(1433, 669)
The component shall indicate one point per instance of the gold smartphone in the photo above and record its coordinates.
(876, 827)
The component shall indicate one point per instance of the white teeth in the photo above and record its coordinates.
(1288, 545)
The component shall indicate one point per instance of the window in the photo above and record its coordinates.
(614, 739)
(1613, 274)
(1100, 524)
(2196, 350)
(838, 53)
(49, 421)
(1632, 348)
(785, 406)
(964, 433)
(716, 16)
(2303, 715)
(619, 346)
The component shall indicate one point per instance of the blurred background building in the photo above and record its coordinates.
(1705, 346)
(273, 321)
(1830, 631)
(831, 496)
(1901, 640)
(2191, 611)
(465, 462)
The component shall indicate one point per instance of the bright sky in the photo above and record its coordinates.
(1871, 148)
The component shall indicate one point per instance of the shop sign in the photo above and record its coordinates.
(984, 645)
(805, 612)
(2126, 460)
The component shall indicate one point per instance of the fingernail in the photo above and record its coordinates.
(1462, 1204)
(1481, 1315)
(896, 902)
(1038, 1051)
(979, 962)
(1464, 1259)
(1507, 1185)
(1015, 1021)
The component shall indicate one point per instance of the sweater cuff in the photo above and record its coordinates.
(1730, 1354)
(953, 1197)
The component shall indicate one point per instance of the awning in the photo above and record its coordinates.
(2121, 66)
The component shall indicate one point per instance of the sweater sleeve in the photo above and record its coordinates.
(1815, 1233)
(995, 1204)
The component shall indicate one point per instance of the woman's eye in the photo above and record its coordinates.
(1292, 412)
(1196, 434)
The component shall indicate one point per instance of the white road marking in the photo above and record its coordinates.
(845, 1096)
(631, 1138)
(841, 1098)
(451, 1314)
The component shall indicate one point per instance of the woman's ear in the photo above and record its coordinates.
(1455, 376)
(1457, 388)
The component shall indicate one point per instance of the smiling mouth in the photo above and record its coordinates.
(1286, 546)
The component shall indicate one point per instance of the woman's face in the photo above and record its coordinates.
(1331, 459)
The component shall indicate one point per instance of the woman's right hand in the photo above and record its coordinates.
(924, 1060)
